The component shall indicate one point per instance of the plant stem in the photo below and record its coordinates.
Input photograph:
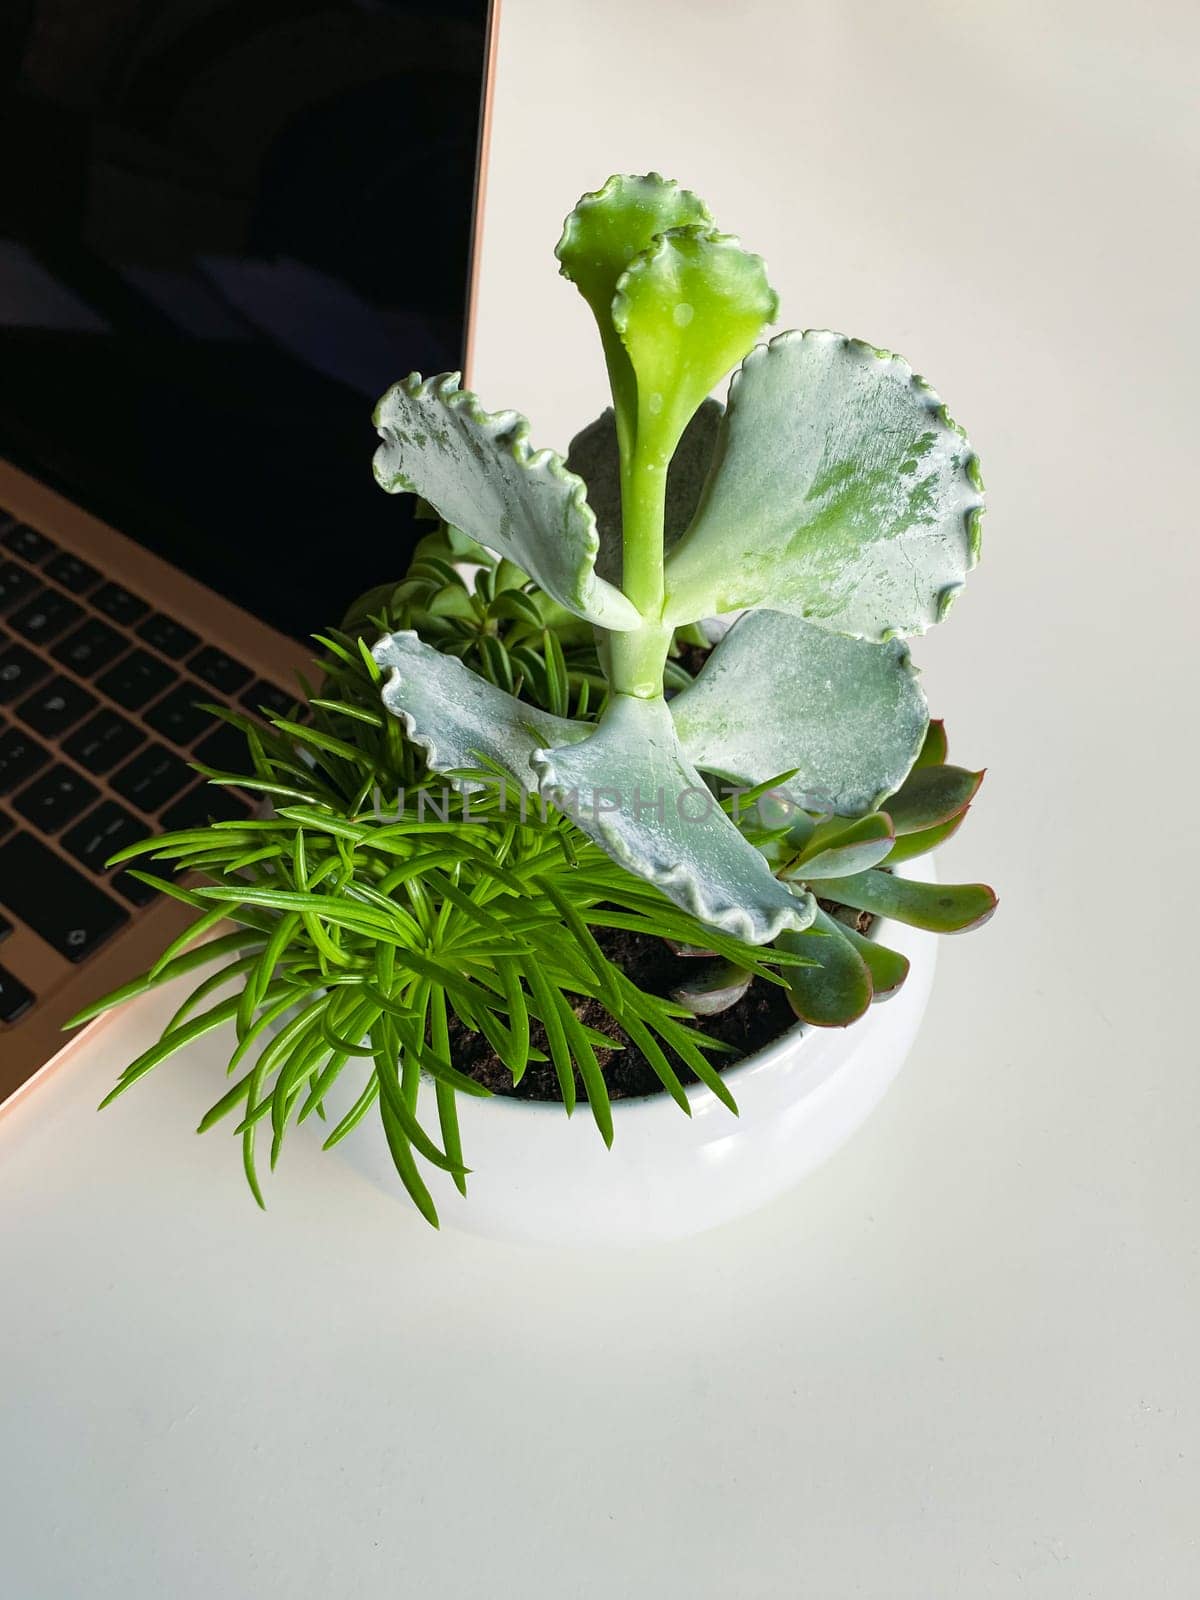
(643, 506)
(637, 658)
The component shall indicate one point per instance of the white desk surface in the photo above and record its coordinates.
(961, 1360)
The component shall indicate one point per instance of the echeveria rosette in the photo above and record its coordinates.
(834, 497)
(842, 862)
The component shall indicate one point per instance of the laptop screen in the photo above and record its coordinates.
(226, 226)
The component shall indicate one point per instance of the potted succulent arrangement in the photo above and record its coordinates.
(615, 795)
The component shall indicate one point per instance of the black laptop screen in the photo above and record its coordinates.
(225, 227)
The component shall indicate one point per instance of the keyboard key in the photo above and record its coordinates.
(225, 749)
(103, 741)
(20, 757)
(119, 604)
(202, 805)
(220, 670)
(263, 696)
(20, 669)
(136, 679)
(16, 583)
(28, 543)
(55, 799)
(102, 833)
(45, 616)
(169, 637)
(153, 777)
(55, 707)
(15, 998)
(72, 573)
(177, 717)
(54, 898)
(90, 647)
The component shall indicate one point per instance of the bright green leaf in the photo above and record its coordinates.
(600, 238)
(687, 309)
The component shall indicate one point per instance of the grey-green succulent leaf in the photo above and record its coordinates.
(938, 907)
(631, 789)
(455, 717)
(837, 988)
(931, 795)
(778, 693)
(594, 456)
(888, 968)
(910, 845)
(717, 987)
(839, 849)
(842, 492)
(936, 747)
(480, 472)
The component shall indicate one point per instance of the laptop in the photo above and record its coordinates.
(224, 231)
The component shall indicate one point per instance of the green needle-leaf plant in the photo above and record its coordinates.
(831, 503)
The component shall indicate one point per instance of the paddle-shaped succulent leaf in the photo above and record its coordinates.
(716, 987)
(630, 788)
(479, 471)
(778, 694)
(455, 718)
(931, 796)
(939, 907)
(842, 492)
(932, 802)
(625, 782)
(837, 988)
(837, 848)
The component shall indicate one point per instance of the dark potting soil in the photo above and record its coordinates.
(761, 1015)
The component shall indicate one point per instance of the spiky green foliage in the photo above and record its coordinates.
(369, 911)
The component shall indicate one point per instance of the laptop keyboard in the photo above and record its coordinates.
(98, 723)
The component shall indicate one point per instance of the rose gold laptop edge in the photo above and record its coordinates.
(34, 1043)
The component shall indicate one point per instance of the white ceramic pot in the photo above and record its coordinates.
(539, 1177)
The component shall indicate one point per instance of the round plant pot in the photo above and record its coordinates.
(540, 1177)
